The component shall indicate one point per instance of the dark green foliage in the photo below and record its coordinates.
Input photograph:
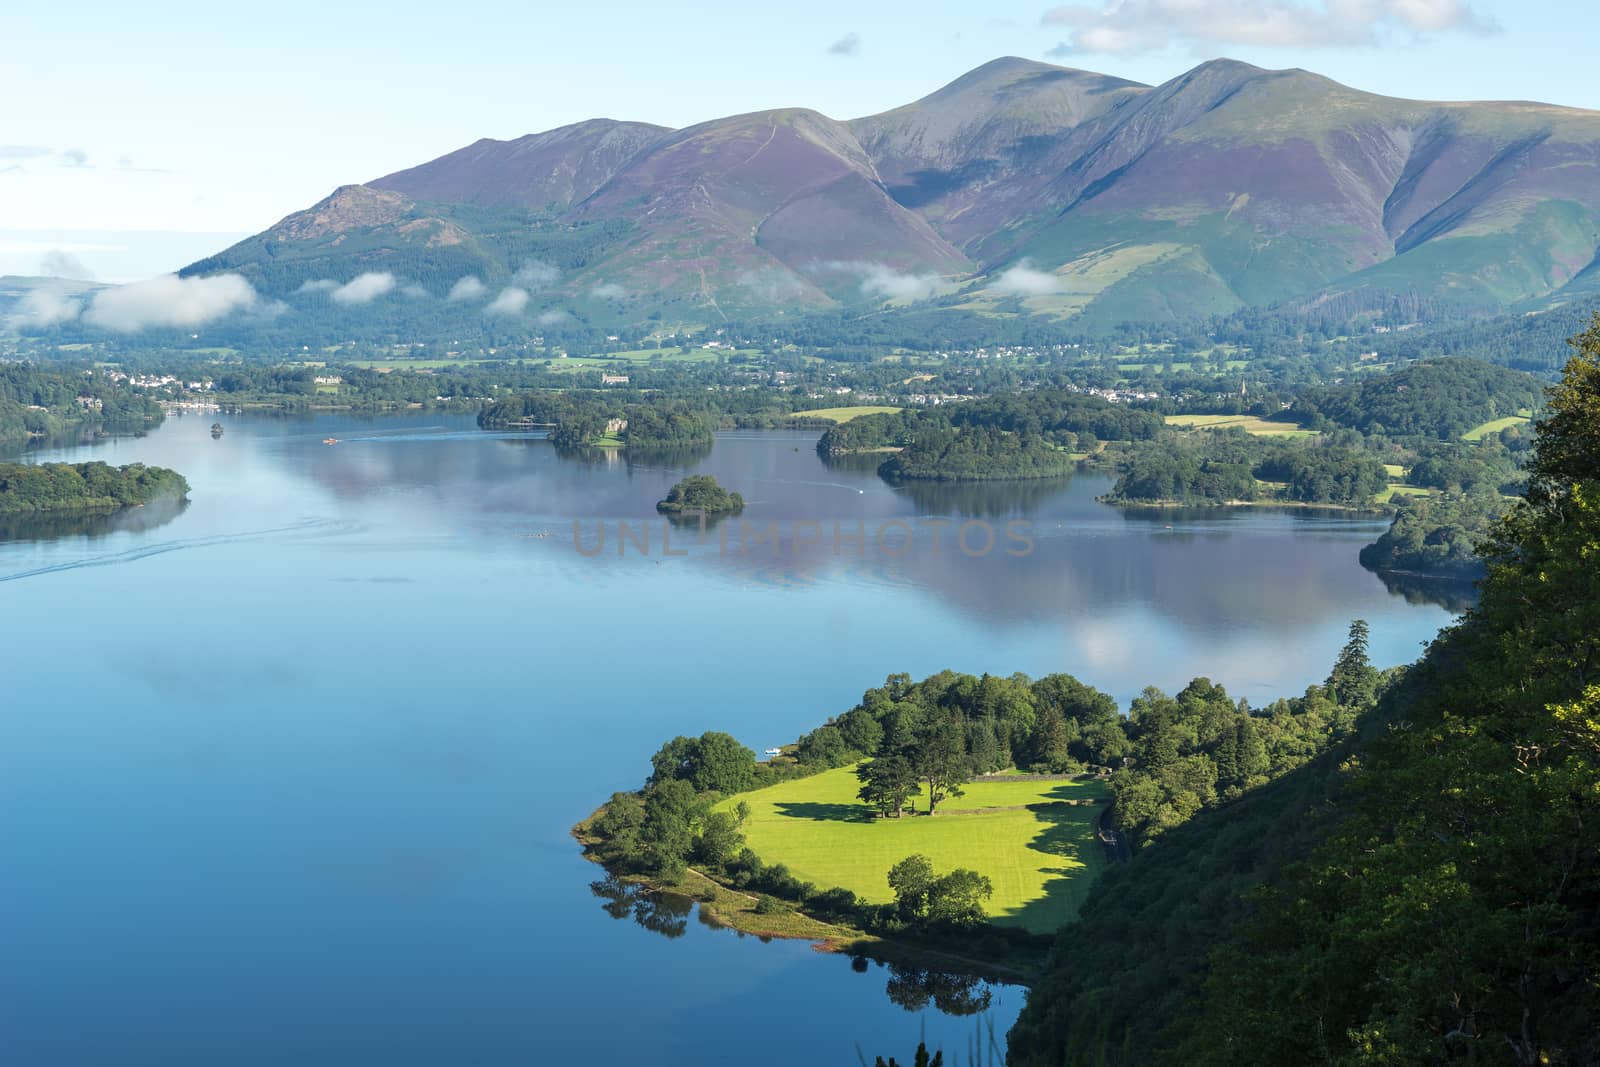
(923, 897)
(1219, 466)
(769, 905)
(700, 493)
(981, 453)
(1438, 398)
(673, 812)
(46, 487)
(1024, 435)
(910, 880)
(888, 783)
(712, 762)
(1425, 893)
(824, 747)
(35, 402)
(923, 1059)
(1436, 535)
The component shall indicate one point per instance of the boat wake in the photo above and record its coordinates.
(317, 527)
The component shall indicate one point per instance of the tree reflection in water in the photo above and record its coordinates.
(954, 994)
(666, 914)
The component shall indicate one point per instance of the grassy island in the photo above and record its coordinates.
(700, 494)
(84, 487)
(960, 818)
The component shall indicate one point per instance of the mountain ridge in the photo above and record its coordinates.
(1229, 186)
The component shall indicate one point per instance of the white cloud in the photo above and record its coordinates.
(772, 284)
(41, 307)
(364, 288)
(468, 288)
(414, 291)
(847, 46)
(511, 301)
(58, 263)
(317, 285)
(551, 318)
(534, 275)
(1023, 280)
(608, 291)
(886, 283)
(169, 301)
(1129, 27)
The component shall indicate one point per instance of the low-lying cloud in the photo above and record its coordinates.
(364, 288)
(608, 291)
(552, 318)
(43, 307)
(511, 301)
(1131, 27)
(317, 285)
(468, 288)
(536, 274)
(58, 264)
(885, 283)
(1024, 280)
(169, 301)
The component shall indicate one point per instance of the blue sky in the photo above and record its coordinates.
(138, 135)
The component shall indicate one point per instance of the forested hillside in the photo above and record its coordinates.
(39, 402)
(1442, 398)
(1425, 892)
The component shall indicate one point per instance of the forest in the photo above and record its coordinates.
(40, 402)
(56, 487)
(1230, 465)
(1425, 891)
(1437, 398)
(1437, 536)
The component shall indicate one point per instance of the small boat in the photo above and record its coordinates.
(772, 752)
(330, 440)
(216, 429)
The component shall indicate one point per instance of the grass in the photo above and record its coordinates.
(1478, 433)
(845, 414)
(1249, 423)
(411, 364)
(1039, 849)
(1398, 489)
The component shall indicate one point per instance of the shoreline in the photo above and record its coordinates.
(1301, 505)
(726, 907)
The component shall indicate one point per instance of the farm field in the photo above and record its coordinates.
(1478, 433)
(1040, 851)
(1248, 423)
(845, 414)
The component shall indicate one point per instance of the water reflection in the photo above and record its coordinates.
(1453, 594)
(54, 526)
(666, 914)
(913, 988)
(982, 500)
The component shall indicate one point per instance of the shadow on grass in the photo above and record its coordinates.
(818, 812)
(1069, 833)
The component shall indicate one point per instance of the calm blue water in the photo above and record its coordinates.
(288, 778)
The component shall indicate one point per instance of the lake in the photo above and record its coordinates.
(286, 775)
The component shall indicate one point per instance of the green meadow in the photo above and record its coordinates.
(1248, 423)
(1478, 433)
(1035, 840)
(845, 414)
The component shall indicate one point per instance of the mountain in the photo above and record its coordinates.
(1019, 188)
